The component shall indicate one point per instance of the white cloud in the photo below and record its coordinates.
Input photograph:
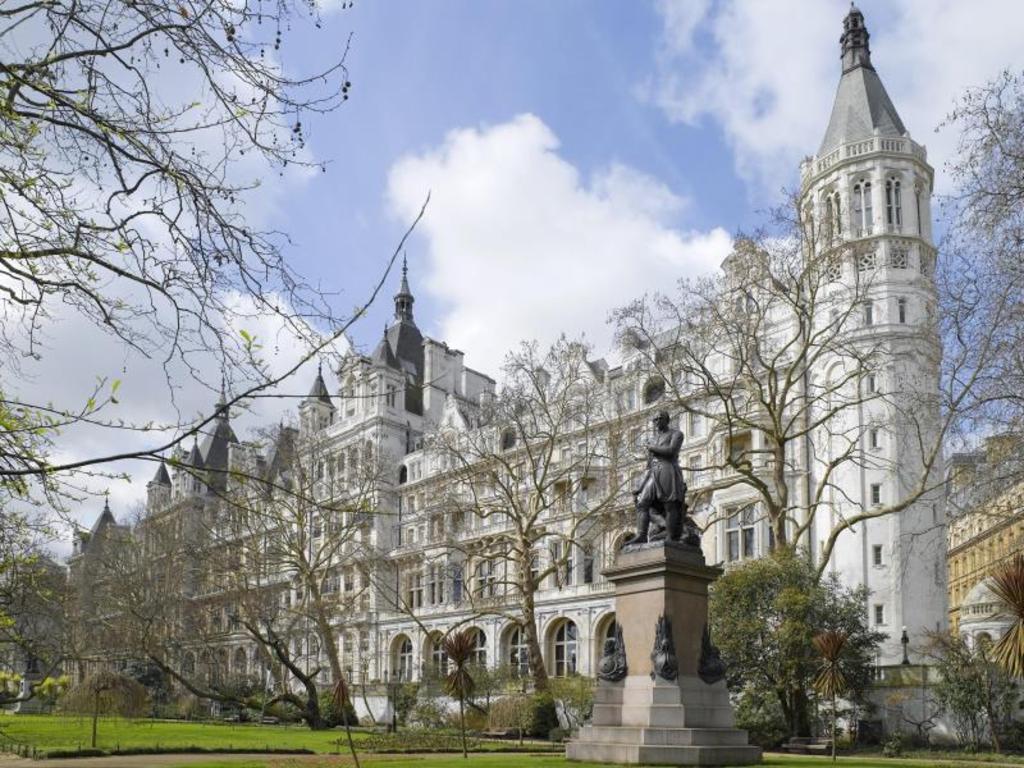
(766, 73)
(521, 247)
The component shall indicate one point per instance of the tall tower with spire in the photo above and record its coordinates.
(868, 193)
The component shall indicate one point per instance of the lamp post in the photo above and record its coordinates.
(905, 642)
(391, 685)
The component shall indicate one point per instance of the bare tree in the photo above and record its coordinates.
(269, 576)
(532, 487)
(134, 135)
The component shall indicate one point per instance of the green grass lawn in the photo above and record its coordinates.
(48, 732)
(62, 732)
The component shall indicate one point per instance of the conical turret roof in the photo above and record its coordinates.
(862, 107)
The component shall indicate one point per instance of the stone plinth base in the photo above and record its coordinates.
(685, 722)
(644, 718)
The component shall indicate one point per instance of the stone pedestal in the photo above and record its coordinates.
(645, 718)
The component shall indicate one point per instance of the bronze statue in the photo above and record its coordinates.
(661, 512)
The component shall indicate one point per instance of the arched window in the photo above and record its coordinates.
(438, 658)
(403, 475)
(654, 391)
(565, 647)
(893, 203)
(240, 662)
(479, 655)
(833, 224)
(518, 653)
(862, 216)
(403, 659)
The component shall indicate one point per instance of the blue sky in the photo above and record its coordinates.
(578, 153)
(420, 70)
(685, 119)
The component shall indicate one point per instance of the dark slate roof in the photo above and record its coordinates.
(383, 354)
(194, 458)
(406, 342)
(161, 477)
(319, 390)
(861, 107)
(281, 454)
(106, 518)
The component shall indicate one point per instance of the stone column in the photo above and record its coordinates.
(680, 718)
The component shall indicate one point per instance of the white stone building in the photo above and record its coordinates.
(869, 183)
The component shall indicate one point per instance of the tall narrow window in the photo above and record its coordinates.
(893, 203)
(901, 309)
(839, 214)
(588, 564)
(874, 437)
(876, 494)
(862, 215)
(829, 219)
(917, 208)
(876, 554)
(739, 534)
(869, 313)
(879, 614)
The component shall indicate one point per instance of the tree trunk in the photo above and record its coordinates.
(833, 727)
(462, 725)
(95, 715)
(538, 671)
(351, 744)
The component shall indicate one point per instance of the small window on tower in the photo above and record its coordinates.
(879, 614)
(876, 554)
(869, 313)
(901, 310)
(876, 494)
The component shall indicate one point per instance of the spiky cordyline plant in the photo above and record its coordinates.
(459, 647)
(831, 679)
(1008, 587)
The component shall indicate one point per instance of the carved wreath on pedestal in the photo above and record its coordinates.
(612, 666)
(710, 668)
(663, 657)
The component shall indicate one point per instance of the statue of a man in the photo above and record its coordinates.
(661, 497)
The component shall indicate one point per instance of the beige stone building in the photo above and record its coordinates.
(985, 533)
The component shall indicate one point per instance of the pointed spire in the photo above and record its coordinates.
(195, 457)
(223, 412)
(106, 502)
(319, 391)
(854, 41)
(404, 298)
(161, 477)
